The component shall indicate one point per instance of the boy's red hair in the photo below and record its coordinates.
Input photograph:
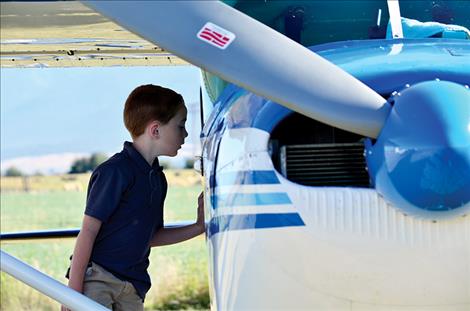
(148, 103)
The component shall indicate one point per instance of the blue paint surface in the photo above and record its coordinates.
(253, 221)
(388, 65)
(244, 199)
(421, 160)
(247, 178)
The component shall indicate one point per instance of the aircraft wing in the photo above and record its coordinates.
(69, 34)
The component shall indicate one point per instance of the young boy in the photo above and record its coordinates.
(124, 210)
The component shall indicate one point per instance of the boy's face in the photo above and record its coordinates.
(173, 133)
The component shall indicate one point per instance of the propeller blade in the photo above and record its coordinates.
(239, 49)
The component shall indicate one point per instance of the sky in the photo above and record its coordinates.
(51, 116)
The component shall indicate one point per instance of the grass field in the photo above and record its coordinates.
(178, 272)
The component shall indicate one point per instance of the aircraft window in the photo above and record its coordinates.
(311, 153)
(323, 21)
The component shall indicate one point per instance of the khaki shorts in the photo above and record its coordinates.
(106, 289)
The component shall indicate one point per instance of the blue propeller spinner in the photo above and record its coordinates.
(421, 159)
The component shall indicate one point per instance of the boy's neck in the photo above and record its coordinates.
(145, 150)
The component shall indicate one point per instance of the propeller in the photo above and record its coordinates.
(239, 49)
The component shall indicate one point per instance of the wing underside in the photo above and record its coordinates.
(69, 34)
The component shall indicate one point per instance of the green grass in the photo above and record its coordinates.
(178, 272)
(42, 210)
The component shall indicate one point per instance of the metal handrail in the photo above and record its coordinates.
(47, 285)
(44, 283)
(39, 235)
(61, 233)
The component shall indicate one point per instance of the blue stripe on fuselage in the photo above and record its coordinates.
(253, 221)
(244, 199)
(247, 178)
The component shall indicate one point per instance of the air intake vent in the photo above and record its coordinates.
(325, 164)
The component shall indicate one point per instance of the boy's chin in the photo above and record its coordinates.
(171, 153)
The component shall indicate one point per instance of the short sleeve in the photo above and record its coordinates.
(105, 190)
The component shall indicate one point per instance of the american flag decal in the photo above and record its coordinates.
(216, 36)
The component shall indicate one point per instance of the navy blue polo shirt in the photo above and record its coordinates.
(127, 195)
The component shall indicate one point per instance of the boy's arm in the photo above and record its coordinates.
(82, 251)
(166, 236)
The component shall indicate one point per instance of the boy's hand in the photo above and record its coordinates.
(200, 212)
(78, 288)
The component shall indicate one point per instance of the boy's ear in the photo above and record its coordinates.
(153, 129)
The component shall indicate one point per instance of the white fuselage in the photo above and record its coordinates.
(354, 251)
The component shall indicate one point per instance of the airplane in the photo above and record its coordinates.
(336, 148)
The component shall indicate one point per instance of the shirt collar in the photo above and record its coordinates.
(139, 159)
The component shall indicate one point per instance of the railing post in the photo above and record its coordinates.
(47, 285)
